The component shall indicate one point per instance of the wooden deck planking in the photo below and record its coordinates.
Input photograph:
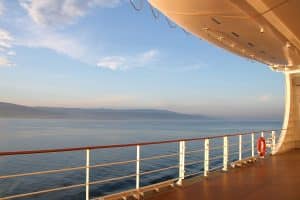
(277, 177)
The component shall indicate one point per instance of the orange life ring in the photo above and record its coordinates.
(261, 146)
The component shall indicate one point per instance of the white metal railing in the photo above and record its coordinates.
(87, 175)
(181, 161)
(137, 187)
(226, 152)
(206, 156)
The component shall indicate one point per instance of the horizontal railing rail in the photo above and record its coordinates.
(42, 151)
(223, 159)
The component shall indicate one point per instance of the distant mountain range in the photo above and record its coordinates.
(8, 110)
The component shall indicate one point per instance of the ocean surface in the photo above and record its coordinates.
(28, 134)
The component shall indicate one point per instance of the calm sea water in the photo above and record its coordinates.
(25, 134)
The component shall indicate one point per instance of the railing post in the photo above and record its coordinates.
(181, 161)
(206, 157)
(273, 142)
(137, 185)
(225, 153)
(240, 147)
(252, 144)
(87, 175)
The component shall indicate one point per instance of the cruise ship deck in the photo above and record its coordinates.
(265, 31)
(261, 180)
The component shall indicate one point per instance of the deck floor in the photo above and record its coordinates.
(277, 177)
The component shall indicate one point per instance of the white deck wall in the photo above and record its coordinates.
(290, 138)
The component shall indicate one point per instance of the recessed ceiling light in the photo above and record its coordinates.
(250, 44)
(261, 30)
(215, 20)
(235, 34)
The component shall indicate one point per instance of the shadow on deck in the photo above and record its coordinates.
(277, 177)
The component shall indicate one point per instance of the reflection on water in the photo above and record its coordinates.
(21, 134)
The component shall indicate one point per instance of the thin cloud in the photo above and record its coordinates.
(11, 53)
(6, 43)
(265, 98)
(57, 12)
(128, 62)
(4, 62)
(39, 34)
(5, 39)
(148, 55)
(112, 62)
(58, 42)
(191, 67)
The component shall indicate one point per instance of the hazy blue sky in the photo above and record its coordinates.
(102, 53)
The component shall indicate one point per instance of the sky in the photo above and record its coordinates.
(104, 54)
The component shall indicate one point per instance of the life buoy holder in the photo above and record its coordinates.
(261, 146)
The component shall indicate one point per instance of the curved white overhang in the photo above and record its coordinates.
(267, 31)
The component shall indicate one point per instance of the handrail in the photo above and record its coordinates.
(193, 163)
(43, 151)
(207, 158)
(158, 170)
(42, 191)
(43, 172)
(66, 169)
(193, 151)
(159, 156)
